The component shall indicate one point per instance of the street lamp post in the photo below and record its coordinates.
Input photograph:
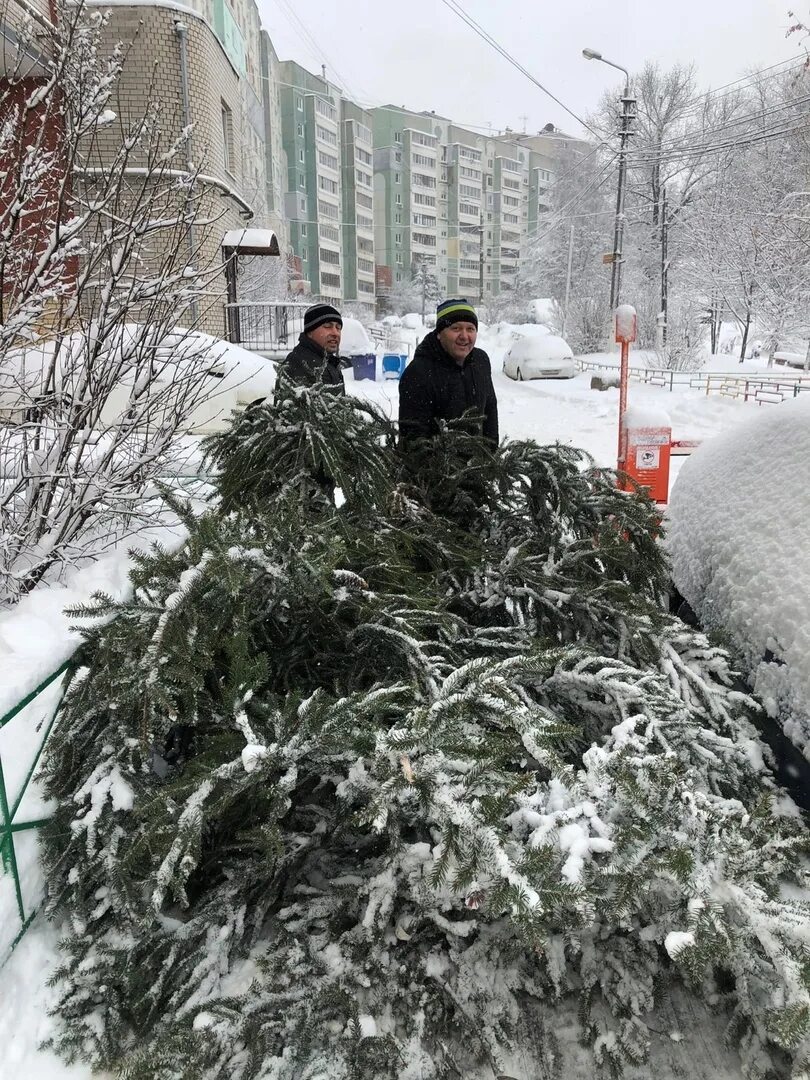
(628, 115)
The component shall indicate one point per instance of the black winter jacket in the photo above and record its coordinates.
(309, 364)
(434, 387)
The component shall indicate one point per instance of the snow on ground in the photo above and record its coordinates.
(35, 637)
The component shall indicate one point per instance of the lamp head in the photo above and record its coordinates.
(591, 54)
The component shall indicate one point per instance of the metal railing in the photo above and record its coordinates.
(265, 327)
(23, 808)
(762, 389)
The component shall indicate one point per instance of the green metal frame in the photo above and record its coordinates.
(9, 826)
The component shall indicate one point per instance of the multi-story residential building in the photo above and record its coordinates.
(480, 202)
(406, 194)
(275, 159)
(310, 125)
(357, 152)
(202, 69)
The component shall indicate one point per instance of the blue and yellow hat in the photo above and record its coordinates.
(453, 311)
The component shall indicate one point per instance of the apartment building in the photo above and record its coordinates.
(311, 128)
(357, 150)
(201, 67)
(406, 195)
(453, 198)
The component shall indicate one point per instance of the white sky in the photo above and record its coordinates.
(419, 54)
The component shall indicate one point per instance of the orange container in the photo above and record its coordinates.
(646, 458)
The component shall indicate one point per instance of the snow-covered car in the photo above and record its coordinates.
(546, 357)
(737, 538)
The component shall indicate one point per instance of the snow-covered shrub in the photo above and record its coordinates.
(96, 379)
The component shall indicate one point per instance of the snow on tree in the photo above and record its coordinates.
(351, 791)
(98, 271)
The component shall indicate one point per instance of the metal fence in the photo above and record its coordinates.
(762, 389)
(265, 327)
(23, 809)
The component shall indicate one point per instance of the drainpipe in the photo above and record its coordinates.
(181, 29)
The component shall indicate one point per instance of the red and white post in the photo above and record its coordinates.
(626, 323)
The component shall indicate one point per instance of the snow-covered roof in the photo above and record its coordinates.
(738, 540)
(252, 241)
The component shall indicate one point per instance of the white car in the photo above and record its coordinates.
(546, 357)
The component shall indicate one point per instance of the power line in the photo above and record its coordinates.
(783, 66)
(457, 9)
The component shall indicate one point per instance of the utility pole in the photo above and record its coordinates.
(481, 260)
(627, 117)
(424, 288)
(568, 278)
(664, 265)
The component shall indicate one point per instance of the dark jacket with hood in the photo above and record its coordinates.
(434, 387)
(309, 364)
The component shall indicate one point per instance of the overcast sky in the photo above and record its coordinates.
(419, 54)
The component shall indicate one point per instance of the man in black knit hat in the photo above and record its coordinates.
(448, 377)
(315, 358)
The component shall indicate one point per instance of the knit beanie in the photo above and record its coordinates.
(319, 314)
(453, 311)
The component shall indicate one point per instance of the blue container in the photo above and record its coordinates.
(365, 367)
(393, 364)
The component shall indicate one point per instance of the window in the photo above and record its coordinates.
(398, 136)
(510, 200)
(303, 230)
(300, 131)
(329, 232)
(398, 261)
(468, 208)
(468, 192)
(423, 200)
(365, 245)
(508, 182)
(325, 184)
(365, 286)
(332, 280)
(469, 174)
(227, 138)
(363, 177)
(421, 139)
(398, 199)
(397, 178)
(398, 157)
(300, 155)
(423, 159)
(303, 205)
(328, 256)
(398, 238)
(364, 200)
(327, 210)
(423, 238)
(301, 181)
(299, 103)
(364, 222)
(325, 135)
(329, 160)
(397, 219)
(362, 155)
(304, 254)
(425, 220)
(512, 219)
(324, 108)
(366, 265)
(422, 180)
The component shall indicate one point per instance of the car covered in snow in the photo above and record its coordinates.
(543, 357)
(737, 539)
